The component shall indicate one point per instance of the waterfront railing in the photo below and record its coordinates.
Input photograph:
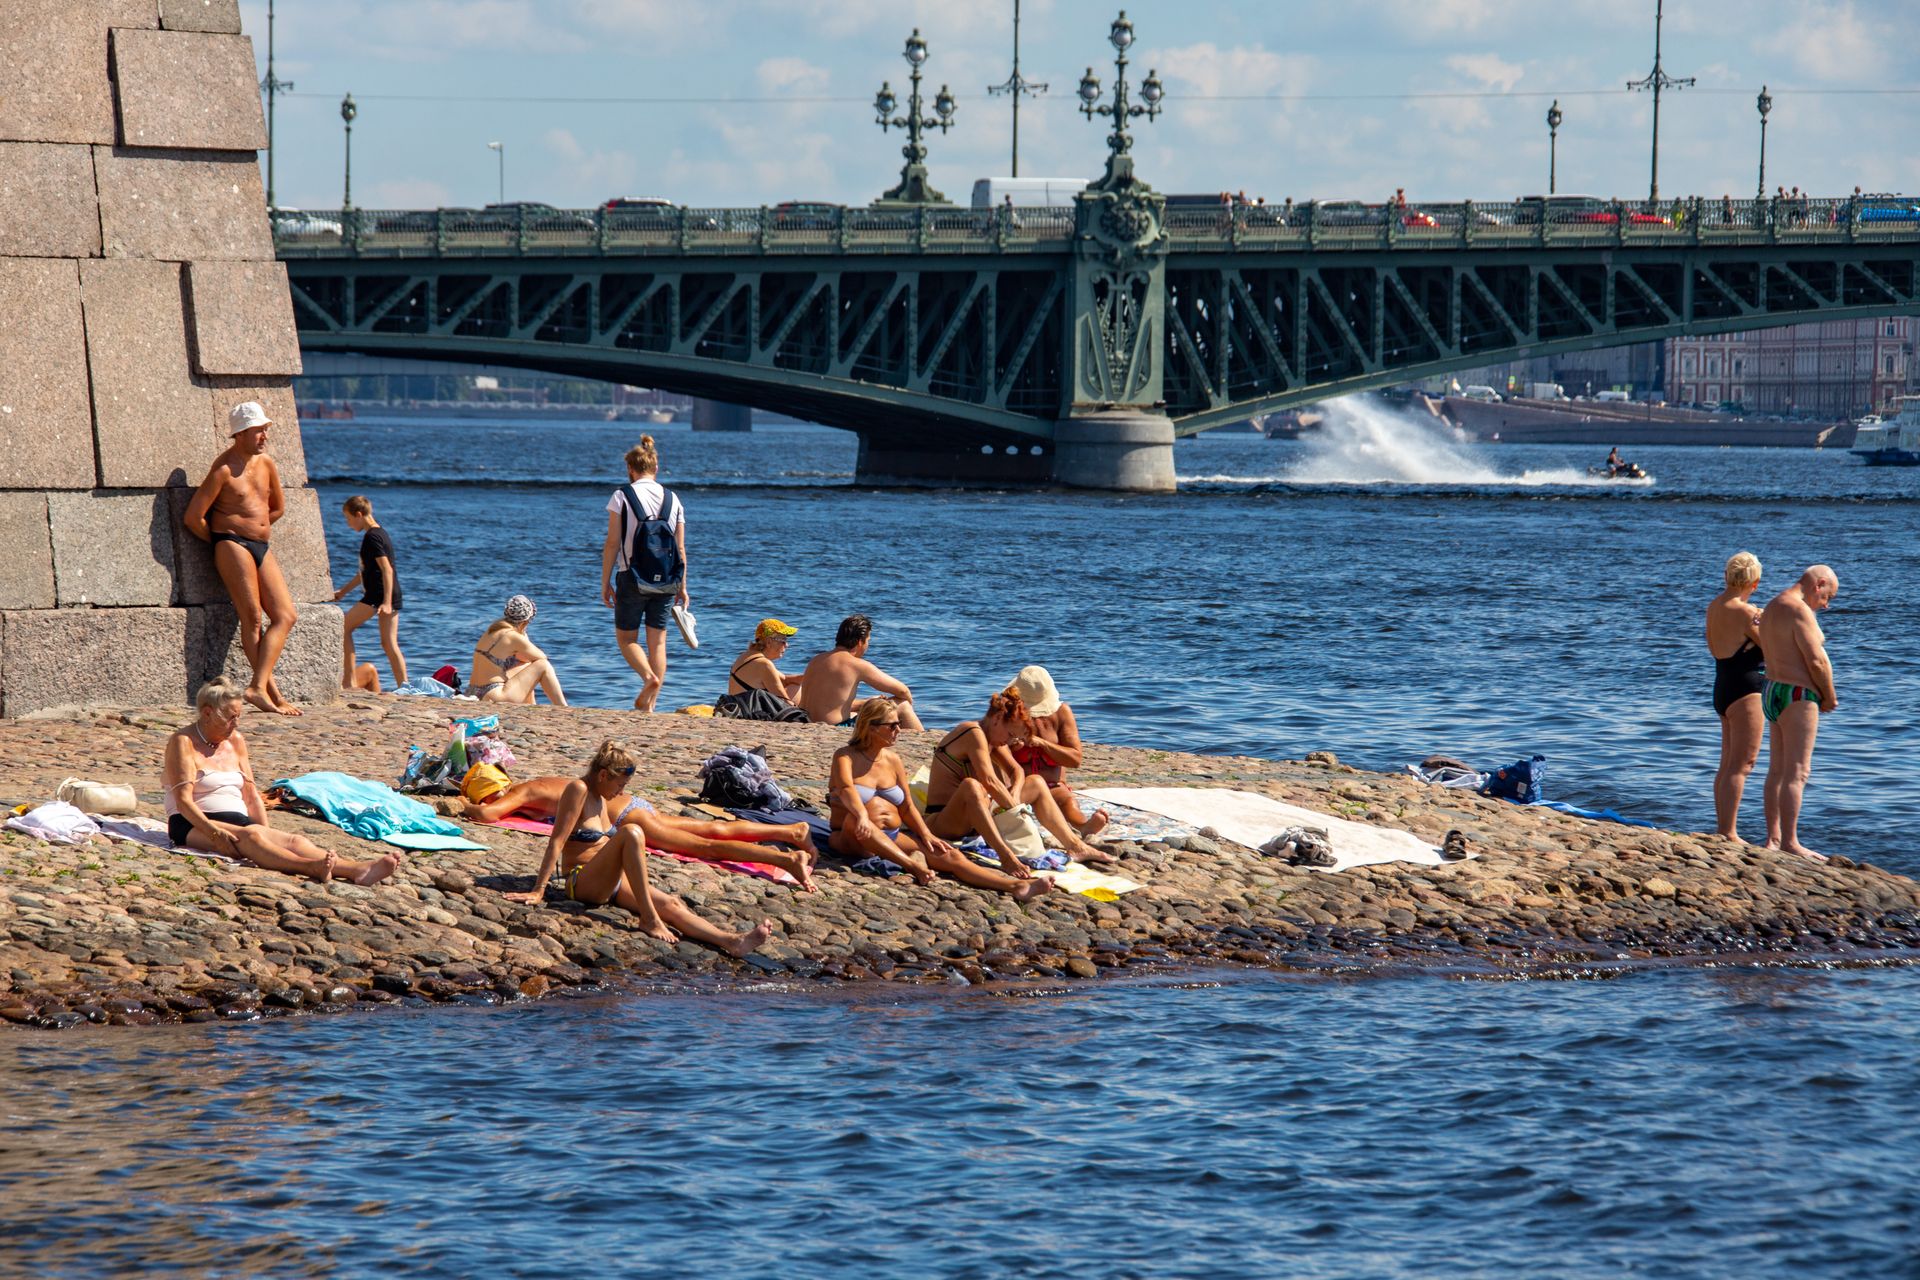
(825, 229)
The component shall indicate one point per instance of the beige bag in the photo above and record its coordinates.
(98, 797)
(1021, 830)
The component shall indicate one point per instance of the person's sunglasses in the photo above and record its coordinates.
(626, 772)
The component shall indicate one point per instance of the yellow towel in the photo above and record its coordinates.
(697, 709)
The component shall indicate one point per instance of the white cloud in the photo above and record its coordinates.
(595, 174)
(405, 193)
(1489, 69)
(1832, 41)
(792, 75)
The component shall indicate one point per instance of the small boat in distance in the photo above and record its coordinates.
(1894, 442)
(659, 416)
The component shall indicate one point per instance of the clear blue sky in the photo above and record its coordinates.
(430, 77)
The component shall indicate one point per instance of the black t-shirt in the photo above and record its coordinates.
(374, 544)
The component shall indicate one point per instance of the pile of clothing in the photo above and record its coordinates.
(474, 752)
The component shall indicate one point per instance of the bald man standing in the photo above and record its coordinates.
(1799, 687)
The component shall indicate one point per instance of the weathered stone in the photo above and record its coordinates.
(299, 548)
(111, 549)
(48, 206)
(183, 206)
(53, 64)
(67, 657)
(309, 667)
(240, 316)
(46, 420)
(26, 551)
(150, 419)
(201, 15)
(187, 90)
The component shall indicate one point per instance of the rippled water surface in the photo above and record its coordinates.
(1701, 1123)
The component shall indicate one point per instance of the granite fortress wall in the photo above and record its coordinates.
(139, 300)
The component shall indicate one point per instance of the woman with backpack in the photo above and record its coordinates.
(643, 567)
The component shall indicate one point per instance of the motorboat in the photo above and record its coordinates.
(1894, 442)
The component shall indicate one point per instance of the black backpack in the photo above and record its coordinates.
(654, 566)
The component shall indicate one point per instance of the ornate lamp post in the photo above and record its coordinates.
(347, 112)
(1765, 103)
(1119, 143)
(1656, 80)
(913, 187)
(273, 86)
(501, 147)
(1553, 144)
(1017, 87)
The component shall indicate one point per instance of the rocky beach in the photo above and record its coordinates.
(129, 935)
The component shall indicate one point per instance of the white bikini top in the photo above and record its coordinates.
(215, 791)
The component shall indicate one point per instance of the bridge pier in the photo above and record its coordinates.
(938, 463)
(715, 415)
(1124, 450)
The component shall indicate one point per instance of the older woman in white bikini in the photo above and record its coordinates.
(213, 805)
(507, 666)
(873, 814)
(605, 861)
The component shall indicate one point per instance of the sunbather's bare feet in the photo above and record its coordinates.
(259, 700)
(1016, 868)
(1094, 854)
(658, 929)
(745, 944)
(1804, 852)
(800, 836)
(920, 874)
(802, 871)
(379, 869)
(287, 706)
(1032, 888)
(1095, 823)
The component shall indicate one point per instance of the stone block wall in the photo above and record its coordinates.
(139, 301)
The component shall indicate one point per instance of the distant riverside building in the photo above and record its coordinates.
(1832, 368)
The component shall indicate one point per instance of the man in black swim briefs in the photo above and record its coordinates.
(234, 510)
(1798, 691)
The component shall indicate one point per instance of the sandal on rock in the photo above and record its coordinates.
(1454, 847)
(1302, 847)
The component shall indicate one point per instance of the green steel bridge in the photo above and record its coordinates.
(1072, 344)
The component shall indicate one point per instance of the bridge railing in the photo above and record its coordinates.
(1564, 221)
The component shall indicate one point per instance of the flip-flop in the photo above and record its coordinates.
(1454, 847)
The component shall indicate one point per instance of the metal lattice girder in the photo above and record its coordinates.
(897, 322)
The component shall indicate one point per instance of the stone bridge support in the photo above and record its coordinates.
(139, 299)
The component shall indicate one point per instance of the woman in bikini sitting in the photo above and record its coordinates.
(974, 775)
(508, 667)
(755, 668)
(212, 804)
(705, 839)
(871, 811)
(606, 862)
(1054, 746)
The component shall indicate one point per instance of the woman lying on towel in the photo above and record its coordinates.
(705, 839)
(212, 804)
(974, 775)
(605, 862)
(873, 816)
(1054, 745)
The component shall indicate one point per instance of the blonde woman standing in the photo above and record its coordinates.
(1733, 638)
(643, 567)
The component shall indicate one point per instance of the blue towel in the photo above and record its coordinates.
(370, 810)
(816, 822)
(1603, 815)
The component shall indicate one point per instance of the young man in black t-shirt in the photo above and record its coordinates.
(380, 594)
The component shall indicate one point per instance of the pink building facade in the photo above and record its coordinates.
(1830, 369)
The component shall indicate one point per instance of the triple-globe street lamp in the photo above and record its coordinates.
(913, 187)
(1120, 142)
(1554, 117)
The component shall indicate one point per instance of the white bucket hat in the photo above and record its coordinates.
(1035, 688)
(246, 416)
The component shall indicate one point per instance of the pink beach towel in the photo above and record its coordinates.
(759, 870)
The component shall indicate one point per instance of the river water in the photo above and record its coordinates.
(1383, 592)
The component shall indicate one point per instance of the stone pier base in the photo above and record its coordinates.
(935, 462)
(1124, 451)
(712, 415)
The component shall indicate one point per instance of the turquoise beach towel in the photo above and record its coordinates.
(373, 811)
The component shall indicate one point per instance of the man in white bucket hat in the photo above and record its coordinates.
(234, 509)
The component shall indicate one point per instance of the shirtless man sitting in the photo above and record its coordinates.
(828, 685)
(1799, 687)
(235, 508)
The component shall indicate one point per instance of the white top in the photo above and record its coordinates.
(651, 496)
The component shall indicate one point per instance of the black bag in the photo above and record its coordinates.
(756, 704)
(654, 566)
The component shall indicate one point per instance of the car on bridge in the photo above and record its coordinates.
(1356, 213)
(538, 216)
(805, 215)
(1885, 208)
(1583, 211)
(295, 224)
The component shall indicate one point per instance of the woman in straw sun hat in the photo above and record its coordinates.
(1054, 745)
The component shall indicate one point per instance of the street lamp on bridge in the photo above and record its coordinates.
(1553, 144)
(501, 147)
(1656, 80)
(1765, 103)
(1017, 87)
(1119, 142)
(913, 187)
(347, 112)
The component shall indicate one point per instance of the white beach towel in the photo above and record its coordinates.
(57, 822)
(1249, 819)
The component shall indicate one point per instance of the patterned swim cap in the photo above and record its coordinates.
(519, 609)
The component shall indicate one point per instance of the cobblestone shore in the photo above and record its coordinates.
(123, 934)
